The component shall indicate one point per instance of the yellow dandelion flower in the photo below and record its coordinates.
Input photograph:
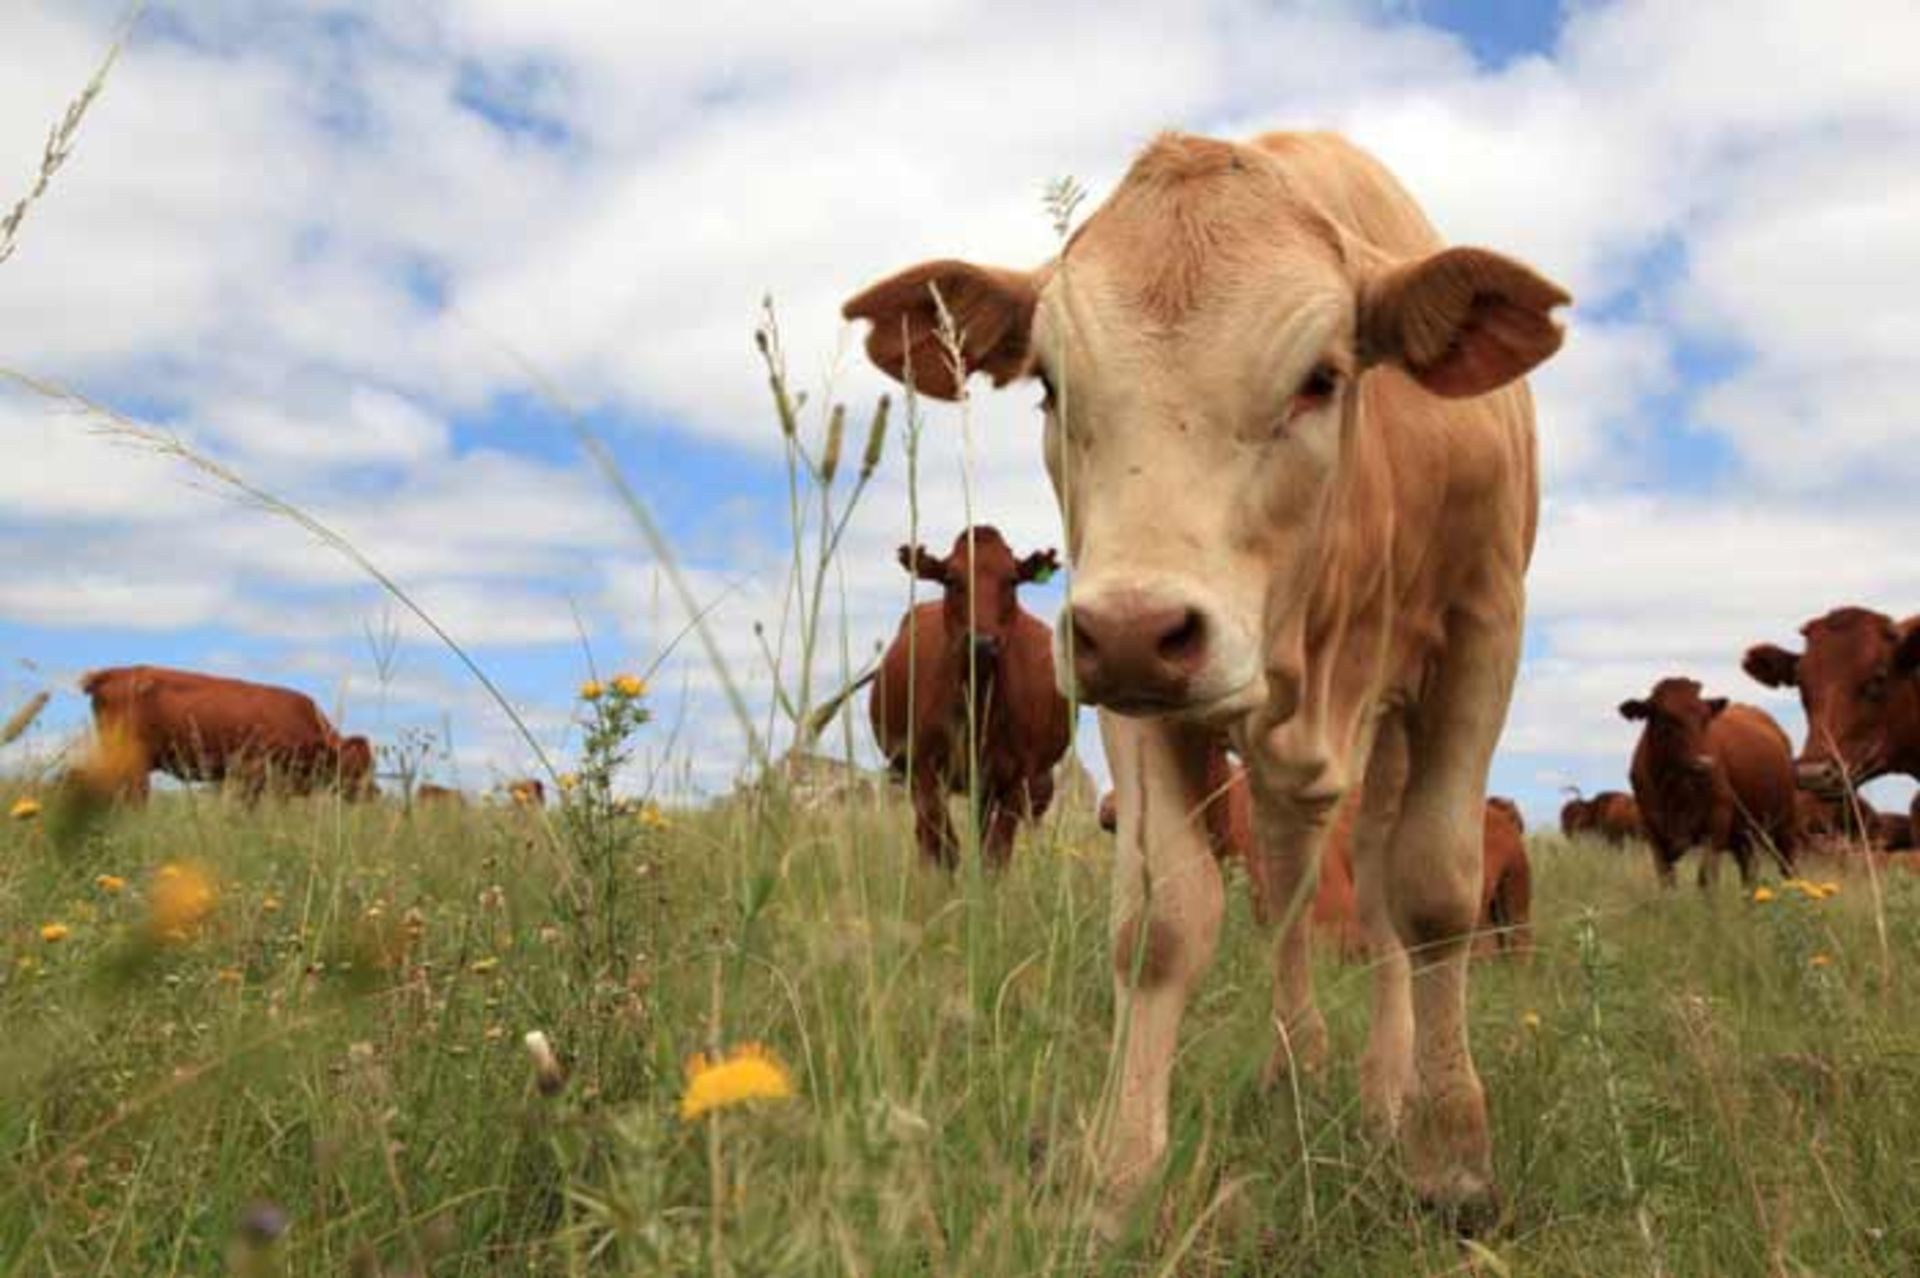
(24, 809)
(1530, 1019)
(480, 967)
(54, 933)
(569, 782)
(750, 1073)
(1763, 894)
(111, 884)
(592, 690)
(269, 905)
(633, 687)
(652, 817)
(1820, 960)
(180, 899)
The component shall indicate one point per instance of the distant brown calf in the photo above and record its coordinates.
(527, 792)
(199, 727)
(1611, 815)
(431, 793)
(1506, 879)
(1712, 775)
(966, 695)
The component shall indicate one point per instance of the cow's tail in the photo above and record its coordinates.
(1512, 907)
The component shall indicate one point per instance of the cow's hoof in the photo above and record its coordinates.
(1468, 1205)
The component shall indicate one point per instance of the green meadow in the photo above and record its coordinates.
(322, 1067)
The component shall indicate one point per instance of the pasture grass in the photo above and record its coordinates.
(342, 1039)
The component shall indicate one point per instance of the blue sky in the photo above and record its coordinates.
(303, 236)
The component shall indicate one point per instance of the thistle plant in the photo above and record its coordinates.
(602, 836)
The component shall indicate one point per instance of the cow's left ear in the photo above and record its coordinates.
(1040, 566)
(1636, 710)
(1716, 706)
(926, 567)
(1462, 321)
(1906, 653)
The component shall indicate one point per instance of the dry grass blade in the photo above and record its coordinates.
(16, 727)
(61, 138)
(163, 443)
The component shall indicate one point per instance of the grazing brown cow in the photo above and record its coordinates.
(1506, 876)
(1295, 459)
(1611, 816)
(527, 792)
(428, 792)
(976, 639)
(1715, 775)
(199, 727)
(1859, 682)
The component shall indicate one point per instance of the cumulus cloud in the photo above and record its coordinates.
(303, 238)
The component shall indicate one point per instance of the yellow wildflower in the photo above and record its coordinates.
(592, 690)
(480, 967)
(1763, 894)
(652, 817)
(1820, 960)
(180, 899)
(1828, 888)
(569, 782)
(1530, 1019)
(750, 1073)
(24, 809)
(54, 933)
(632, 687)
(270, 905)
(111, 884)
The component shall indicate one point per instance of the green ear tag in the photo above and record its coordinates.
(1043, 574)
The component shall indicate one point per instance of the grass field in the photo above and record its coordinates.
(336, 1048)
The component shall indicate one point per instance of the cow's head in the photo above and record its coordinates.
(356, 768)
(979, 578)
(1856, 677)
(1677, 717)
(1198, 346)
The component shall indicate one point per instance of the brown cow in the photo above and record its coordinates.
(428, 792)
(1611, 816)
(1295, 459)
(978, 638)
(199, 727)
(1715, 775)
(1859, 682)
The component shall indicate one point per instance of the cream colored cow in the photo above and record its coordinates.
(1295, 460)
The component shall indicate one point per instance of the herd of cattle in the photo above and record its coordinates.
(1297, 478)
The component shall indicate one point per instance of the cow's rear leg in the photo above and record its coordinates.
(997, 829)
(1167, 902)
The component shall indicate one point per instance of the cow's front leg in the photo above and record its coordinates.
(1167, 902)
(1433, 890)
(932, 823)
(1386, 1066)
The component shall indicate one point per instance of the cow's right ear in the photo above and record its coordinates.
(1636, 709)
(992, 313)
(1461, 322)
(1772, 665)
(926, 567)
(1906, 653)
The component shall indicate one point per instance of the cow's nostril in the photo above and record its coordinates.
(1083, 635)
(1185, 641)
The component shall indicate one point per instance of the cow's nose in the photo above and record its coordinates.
(986, 648)
(1133, 650)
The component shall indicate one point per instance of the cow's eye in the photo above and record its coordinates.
(1875, 689)
(1316, 390)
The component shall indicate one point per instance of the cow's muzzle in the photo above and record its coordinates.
(1137, 652)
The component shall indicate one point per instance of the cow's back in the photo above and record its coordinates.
(1757, 759)
(189, 722)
